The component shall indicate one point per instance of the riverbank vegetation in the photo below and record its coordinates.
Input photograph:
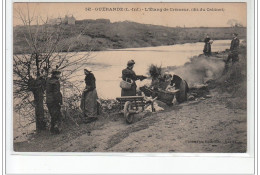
(97, 35)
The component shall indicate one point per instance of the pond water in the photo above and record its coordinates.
(107, 66)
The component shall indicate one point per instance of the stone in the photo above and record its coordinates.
(191, 97)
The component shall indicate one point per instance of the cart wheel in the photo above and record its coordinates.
(128, 116)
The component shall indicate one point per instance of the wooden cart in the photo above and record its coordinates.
(131, 105)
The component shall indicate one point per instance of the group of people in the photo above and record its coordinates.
(159, 81)
(233, 52)
(89, 101)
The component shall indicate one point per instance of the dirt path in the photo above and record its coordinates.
(204, 127)
(198, 126)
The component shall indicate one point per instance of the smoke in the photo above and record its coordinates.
(199, 69)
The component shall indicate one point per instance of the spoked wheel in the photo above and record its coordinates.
(127, 114)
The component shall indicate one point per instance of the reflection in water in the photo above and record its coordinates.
(108, 65)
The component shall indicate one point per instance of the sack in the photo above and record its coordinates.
(126, 85)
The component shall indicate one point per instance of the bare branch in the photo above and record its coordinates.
(45, 48)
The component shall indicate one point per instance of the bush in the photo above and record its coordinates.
(155, 71)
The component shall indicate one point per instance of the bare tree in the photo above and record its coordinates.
(43, 49)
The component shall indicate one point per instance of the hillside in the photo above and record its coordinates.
(102, 34)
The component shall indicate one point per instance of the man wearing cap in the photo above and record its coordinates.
(234, 48)
(129, 75)
(54, 101)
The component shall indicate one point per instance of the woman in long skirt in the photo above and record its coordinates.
(89, 104)
(207, 46)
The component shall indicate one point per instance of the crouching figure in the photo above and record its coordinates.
(182, 86)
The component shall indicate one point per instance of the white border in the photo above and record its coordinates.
(118, 163)
(2, 97)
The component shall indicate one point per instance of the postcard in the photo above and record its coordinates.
(130, 77)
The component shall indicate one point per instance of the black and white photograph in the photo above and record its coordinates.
(132, 77)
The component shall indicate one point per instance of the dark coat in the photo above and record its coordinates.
(182, 86)
(176, 80)
(129, 74)
(89, 97)
(207, 46)
(90, 82)
(53, 94)
(206, 40)
(234, 45)
(234, 48)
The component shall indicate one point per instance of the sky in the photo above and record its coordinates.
(198, 14)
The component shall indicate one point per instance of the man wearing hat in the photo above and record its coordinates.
(54, 101)
(234, 48)
(129, 75)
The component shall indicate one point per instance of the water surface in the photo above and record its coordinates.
(107, 66)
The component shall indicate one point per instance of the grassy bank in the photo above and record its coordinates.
(234, 81)
(100, 35)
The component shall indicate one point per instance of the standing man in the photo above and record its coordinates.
(129, 75)
(54, 101)
(234, 48)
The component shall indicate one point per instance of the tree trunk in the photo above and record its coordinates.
(37, 87)
(41, 123)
